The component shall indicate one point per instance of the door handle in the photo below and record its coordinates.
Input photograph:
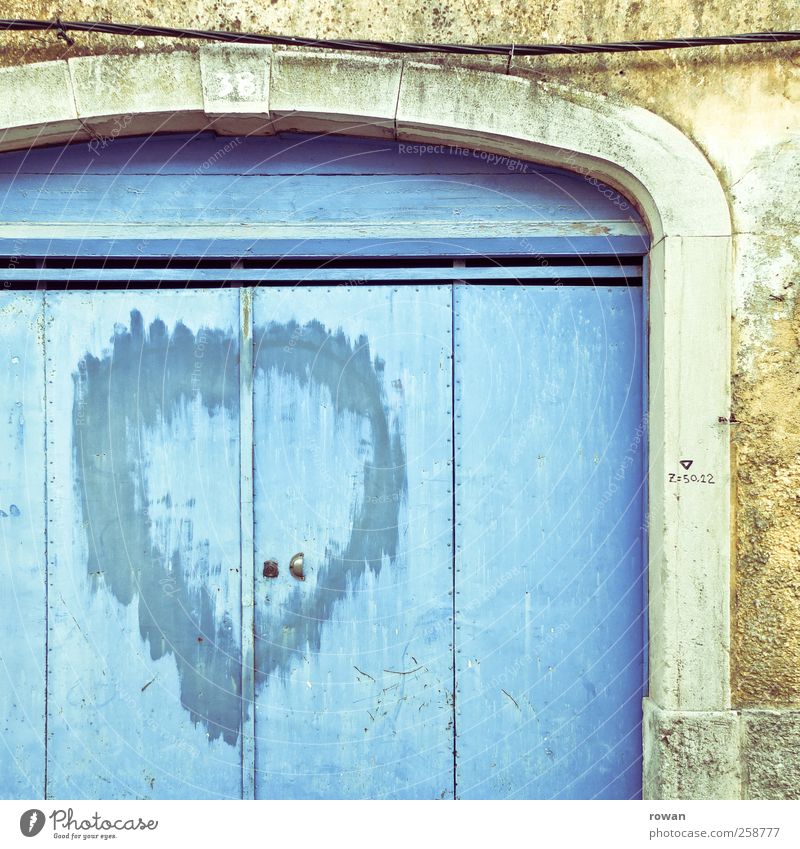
(271, 569)
(296, 567)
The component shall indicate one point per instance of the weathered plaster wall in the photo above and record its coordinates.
(741, 106)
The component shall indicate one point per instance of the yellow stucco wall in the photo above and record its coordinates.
(741, 106)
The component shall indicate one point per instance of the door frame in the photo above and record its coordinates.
(243, 89)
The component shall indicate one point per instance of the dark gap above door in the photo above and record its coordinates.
(76, 272)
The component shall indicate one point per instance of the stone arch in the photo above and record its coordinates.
(237, 89)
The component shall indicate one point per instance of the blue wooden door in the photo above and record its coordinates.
(549, 577)
(144, 593)
(353, 469)
(22, 547)
(460, 467)
(369, 680)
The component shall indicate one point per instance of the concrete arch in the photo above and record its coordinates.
(244, 89)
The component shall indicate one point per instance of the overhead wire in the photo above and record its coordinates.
(515, 50)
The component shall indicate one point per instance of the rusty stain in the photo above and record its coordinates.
(246, 315)
(270, 569)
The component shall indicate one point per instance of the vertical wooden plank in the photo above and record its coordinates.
(353, 468)
(22, 546)
(549, 479)
(247, 542)
(144, 690)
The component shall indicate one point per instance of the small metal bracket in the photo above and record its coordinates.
(62, 33)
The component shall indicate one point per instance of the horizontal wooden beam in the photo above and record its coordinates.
(630, 274)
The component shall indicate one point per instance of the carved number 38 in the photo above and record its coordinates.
(241, 85)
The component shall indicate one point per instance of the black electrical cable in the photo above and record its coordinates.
(62, 27)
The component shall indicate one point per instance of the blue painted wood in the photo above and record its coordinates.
(22, 554)
(310, 203)
(144, 595)
(627, 274)
(549, 479)
(302, 195)
(645, 448)
(354, 664)
(284, 153)
(352, 409)
(85, 240)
